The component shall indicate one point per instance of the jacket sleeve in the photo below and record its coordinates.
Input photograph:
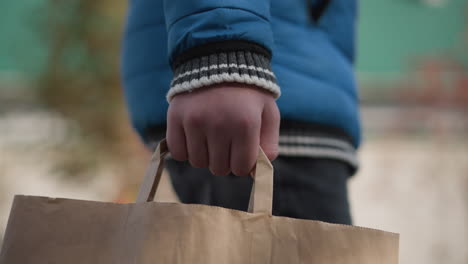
(215, 41)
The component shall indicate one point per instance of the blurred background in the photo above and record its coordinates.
(64, 130)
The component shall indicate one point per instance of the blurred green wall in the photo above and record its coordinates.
(391, 34)
(22, 48)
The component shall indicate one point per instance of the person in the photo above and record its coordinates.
(219, 79)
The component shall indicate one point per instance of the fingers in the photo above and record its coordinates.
(196, 143)
(175, 137)
(223, 128)
(244, 149)
(219, 154)
(225, 149)
(269, 134)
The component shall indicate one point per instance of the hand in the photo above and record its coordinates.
(222, 126)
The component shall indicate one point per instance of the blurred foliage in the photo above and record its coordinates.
(81, 79)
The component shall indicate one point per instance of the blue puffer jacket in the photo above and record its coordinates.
(305, 47)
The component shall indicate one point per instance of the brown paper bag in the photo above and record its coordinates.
(64, 231)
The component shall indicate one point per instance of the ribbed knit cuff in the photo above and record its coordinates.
(242, 66)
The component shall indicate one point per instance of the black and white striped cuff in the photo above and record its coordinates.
(246, 67)
(318, 147)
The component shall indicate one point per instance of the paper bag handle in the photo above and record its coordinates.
(261, 197)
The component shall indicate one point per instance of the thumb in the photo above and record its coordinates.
(269, 134)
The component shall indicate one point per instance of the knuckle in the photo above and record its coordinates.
(276, 113)
(276, 117)
(245, 122)
(172, 114)
(219, 124)
(195, 119)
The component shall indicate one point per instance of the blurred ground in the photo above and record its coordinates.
(416, 186)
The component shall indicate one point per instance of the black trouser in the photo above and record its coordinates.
(307, 188)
